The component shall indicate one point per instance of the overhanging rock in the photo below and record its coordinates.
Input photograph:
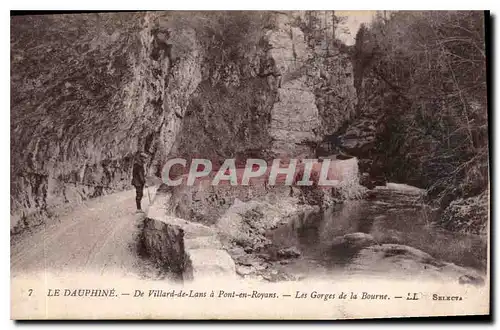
(185, 250)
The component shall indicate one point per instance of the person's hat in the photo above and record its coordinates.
(141, 155)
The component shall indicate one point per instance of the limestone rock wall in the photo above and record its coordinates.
(88, 91)
(294, 117)
(314, 80)
(277, 95)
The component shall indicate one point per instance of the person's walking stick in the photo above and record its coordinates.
(149, 196)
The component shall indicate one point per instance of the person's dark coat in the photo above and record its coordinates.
(138, 176)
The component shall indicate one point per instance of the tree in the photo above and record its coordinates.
(433, 67)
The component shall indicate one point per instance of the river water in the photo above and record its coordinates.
(390, 217)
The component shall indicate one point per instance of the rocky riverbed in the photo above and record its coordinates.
(388, 235)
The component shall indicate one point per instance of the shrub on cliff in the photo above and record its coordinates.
(467, 215)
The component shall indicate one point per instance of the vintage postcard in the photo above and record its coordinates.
(253, 165)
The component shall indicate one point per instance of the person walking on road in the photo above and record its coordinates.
(139, 178)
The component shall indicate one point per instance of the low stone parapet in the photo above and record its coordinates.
(183, 249)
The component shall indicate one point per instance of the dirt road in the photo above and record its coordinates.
(99, 235)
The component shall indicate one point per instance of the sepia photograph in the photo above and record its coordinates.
(309, 164)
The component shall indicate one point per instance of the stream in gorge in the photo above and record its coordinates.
(390, 216)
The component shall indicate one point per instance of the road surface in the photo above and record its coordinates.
(99, 235)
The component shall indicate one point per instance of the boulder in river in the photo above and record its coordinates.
(288, 253)
(353, 241)
(473, 280)
(394, 259)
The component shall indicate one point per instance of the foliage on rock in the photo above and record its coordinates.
(424, 75)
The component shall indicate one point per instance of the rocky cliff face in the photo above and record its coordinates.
(315, 84)
(294, 117)
(89, 90)
(264, 96)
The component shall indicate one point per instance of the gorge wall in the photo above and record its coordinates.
(264, 95)
(90, 90)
